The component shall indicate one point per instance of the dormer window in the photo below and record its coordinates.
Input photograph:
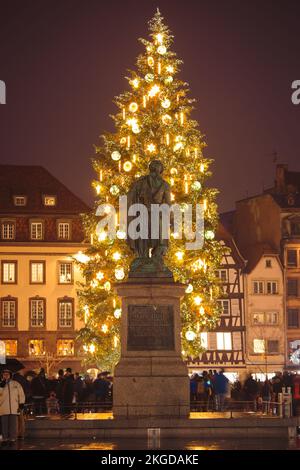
(20, 200)
(49, 201)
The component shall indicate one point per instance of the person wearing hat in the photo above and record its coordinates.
(12, 400)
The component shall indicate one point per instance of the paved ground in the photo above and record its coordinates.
(167, 444)
(193, 415)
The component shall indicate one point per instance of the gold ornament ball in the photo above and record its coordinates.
(166, 119)
(196, 185)
(150, 61)
(149, 77)
(133, 107)
(114, 190)
(127, 166)
(169, 80)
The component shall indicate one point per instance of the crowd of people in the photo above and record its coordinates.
(59, 395)
(63, 394)
(28, 392)
(210, 389)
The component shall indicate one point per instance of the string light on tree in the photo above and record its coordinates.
(153, 120)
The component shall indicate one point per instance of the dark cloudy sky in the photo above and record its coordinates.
(63, 61)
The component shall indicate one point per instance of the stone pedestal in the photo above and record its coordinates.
(151, 378)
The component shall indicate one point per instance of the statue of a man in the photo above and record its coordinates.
(148, 190)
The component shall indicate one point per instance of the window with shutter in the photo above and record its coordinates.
(292, 287)
(212, 341)
(273, 346)
(237, 340)
(293, 318)
(292, 258)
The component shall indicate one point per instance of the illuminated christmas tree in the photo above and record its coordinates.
(153, 122)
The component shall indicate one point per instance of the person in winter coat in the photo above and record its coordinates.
(266, 395)
(12, 400)
(20, 378)
(221, 387)
(251, 391)
(68, 392)
(101, 388)
(39, 392)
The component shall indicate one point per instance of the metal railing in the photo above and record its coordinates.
(229, 409)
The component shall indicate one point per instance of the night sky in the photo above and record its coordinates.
(63, 61)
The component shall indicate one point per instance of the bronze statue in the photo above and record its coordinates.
(148, 190)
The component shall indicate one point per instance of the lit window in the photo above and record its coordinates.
(36, 347)
(9, 272)
(49, 200)
(65, 314)
(8, 231)
(258, 287)
(224, 341)
(271, 318)
(36, 230)
(20, 200)
(224, 304)
(11, 347)
(258, 319)
(204, 339)
(272, 287)
(8, 313)
(65, 347)
(259, 346)
(37, 313)
(65, 273)
(64, 230)
(37, 272)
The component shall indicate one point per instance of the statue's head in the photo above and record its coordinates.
(156, 167)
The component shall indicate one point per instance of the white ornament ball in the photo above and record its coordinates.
(162, 50)
(209, 234)
(118, 312)
(190, 335)
(166, 103)
(116, 155)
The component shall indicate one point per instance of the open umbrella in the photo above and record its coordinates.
(12, 364)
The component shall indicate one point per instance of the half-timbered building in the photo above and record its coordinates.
(225, 346)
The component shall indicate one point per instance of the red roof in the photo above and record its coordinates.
(34, 182)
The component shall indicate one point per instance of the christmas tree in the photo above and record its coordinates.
(153, 122)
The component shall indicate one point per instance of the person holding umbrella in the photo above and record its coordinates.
(12, 400)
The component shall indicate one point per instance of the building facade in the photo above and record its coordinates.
(41, 231)
(264, 307)
(273, 218)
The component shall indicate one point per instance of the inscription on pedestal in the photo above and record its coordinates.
(150, 328)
